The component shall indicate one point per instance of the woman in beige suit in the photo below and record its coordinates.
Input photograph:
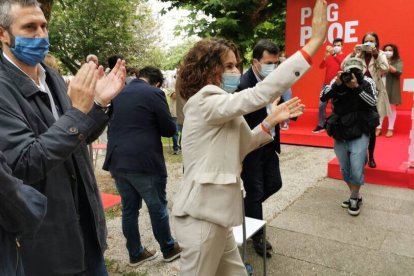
(377, 65)
(215, 140)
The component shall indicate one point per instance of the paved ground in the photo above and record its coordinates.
(315, 236)
(310, 232)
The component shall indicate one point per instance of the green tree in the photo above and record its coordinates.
(242, 21)
(104, 28)
(176, 53)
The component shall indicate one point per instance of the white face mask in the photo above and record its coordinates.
(389, 54)
(266, 69)
(337, 49)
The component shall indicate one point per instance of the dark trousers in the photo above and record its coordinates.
(261, 178)
(94, 259)
(176, 137)
(133, 188)
(371, 145)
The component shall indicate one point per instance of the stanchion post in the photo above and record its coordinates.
(409, 87)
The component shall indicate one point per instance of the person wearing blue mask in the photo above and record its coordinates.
(45, 129)
(215, 140)
(261, 173)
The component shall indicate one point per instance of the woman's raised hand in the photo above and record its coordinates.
(319, 27)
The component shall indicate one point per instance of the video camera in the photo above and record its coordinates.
(366, 47)
(346, 76)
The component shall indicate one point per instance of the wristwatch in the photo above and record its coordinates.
(102, 107)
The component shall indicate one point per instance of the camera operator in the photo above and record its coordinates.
(353, 118)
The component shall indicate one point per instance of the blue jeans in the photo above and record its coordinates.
(352, 156)
(180, 130)
(133, 187)
(322, 110)
(176, 144)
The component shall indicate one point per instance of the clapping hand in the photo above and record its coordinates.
(81, 88)
(109, 86)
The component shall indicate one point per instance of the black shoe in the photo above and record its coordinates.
(353, 208)
(371, 163)
(318, 129)
(259, 241)
(146, 255)
(346, 203)
(174, 253)
(258, 247)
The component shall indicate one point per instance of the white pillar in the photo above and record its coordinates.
(409, 87)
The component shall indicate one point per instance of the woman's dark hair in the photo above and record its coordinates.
(112, 60)
(396, 54)
(202, 65)
(377, 43)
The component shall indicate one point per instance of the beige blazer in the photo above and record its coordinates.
(215, 140)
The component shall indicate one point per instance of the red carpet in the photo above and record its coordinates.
(109, 200)
(390, 153)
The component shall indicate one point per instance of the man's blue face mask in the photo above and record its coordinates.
(30, 50)
(230, 81)
(266, 69)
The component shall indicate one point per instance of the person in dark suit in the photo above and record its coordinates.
(22, 209)
(136, 161)
(261, 173)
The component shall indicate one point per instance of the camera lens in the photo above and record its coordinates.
(346, 77)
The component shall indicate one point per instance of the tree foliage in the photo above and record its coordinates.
(242, 21)
(176, 53)
(103, 28)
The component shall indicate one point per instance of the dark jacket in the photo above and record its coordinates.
(52, 157)
(140, 117)
(249, 80)
(354, 110)
(22, 209)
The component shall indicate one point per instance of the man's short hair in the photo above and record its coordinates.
(112, 60)
(6, 18)
(152, 74)
(264, 45)
(338, 40)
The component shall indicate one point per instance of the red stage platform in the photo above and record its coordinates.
(390, 153)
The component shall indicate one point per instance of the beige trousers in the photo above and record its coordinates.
(208, 249)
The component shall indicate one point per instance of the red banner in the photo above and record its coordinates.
(350, 20)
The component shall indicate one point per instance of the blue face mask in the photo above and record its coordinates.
(266, 69)
(30, 50)
(230, 81)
